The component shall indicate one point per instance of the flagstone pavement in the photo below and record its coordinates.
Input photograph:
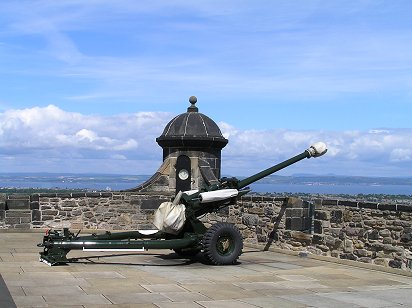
(160, 278)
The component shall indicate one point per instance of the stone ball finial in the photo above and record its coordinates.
(193, 101)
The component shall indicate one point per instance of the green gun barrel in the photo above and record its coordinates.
(315, 150)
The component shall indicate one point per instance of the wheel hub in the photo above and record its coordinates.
(224, 245)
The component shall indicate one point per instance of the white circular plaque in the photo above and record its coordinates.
(183, 174)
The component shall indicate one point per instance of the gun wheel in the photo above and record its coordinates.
(222, 244)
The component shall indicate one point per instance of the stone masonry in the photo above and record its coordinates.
(363, 231)
(105, 211)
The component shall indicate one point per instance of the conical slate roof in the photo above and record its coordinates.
(192, 129)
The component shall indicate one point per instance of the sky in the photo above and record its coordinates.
(87, 86)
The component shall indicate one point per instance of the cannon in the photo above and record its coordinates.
(178, 224)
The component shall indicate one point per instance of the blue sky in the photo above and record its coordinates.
(87, 86)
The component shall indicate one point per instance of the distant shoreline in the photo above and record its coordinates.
(329, 185)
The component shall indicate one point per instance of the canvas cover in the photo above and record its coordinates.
(170, 216)
(218, 195)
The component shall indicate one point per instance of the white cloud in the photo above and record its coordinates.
(128, 145)
(51, 133)
(375, 152)
(41, 138)
(401, 155)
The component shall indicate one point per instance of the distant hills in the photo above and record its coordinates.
(84, 180)
(296, 184)
(336, 180)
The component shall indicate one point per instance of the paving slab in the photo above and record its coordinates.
(30, 301)
(400, 296)
(315, 300)
(163, 288)
(185, 296)
(136, 298)
(6, 299)
(104, 286)
(226, 304)
(361, 299)
(261, 277)
(229, 294)
(162, 279)
(270, 302)
(98, 275)
(283, 265)
(150, 305)
(53, 290)
(179, 305)
(54, 300)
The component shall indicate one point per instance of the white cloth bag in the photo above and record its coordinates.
(170, 216)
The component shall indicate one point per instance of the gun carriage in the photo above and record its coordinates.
(178, 223)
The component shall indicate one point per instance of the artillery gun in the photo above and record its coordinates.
(178, 222)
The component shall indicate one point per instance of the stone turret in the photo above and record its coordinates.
(192, 145)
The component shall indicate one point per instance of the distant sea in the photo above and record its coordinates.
(334, 189)
(99, 182)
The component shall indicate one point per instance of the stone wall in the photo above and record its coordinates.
(363, 231)
(108, 211)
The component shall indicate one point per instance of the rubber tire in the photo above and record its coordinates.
(216, 236)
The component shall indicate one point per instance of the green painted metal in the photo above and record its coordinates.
(57, 244)
(123, 235)
(256, 177)
(80, 243)
(54, 255)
